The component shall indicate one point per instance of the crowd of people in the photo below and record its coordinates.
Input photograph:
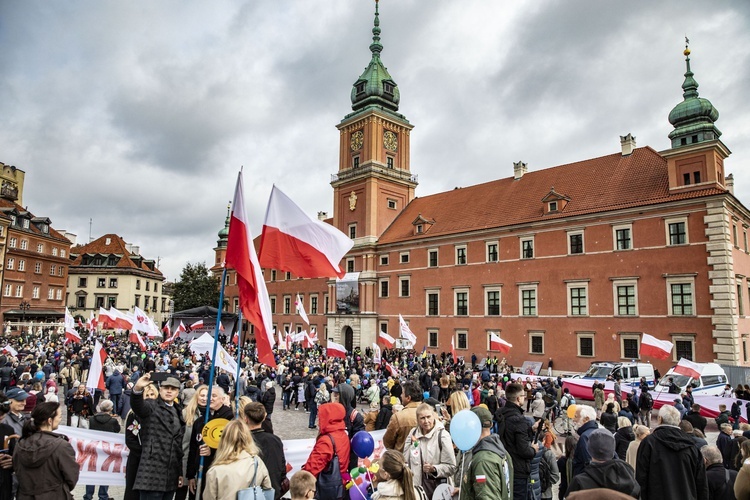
(162, 399)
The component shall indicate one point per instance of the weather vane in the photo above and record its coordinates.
(687, 46)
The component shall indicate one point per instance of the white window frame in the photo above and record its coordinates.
(380, 288)
(586, 335)
(629, 336)
(19, 291)
(624, 282)
(401, 259)
(458, 341)
(286, 299)
(352, 226)
(532, 335)
(12, 242)
(22, 265)
(456, 291)
(552, 206)
(392, 204)
(437, 253)
(521, 289)
(382, 324)
(620, 227)
(578, 284)
(310, 304)
(54, 251)
(10, 264)
(680, 280)
(493, 288)
(466, 254)
(401, 279)
(676, 220)
(35, 292)
(7, 291)
(520, 247)
(384, 260)
(583, 241)
(58, 293)
(429, 338)
(39, 248)
(487, 250)
(682, 337)
(24, 244)
(427, 293)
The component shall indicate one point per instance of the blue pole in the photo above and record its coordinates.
(211, 376)
(239, 359)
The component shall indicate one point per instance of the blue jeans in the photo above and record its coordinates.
(287, 396)
(117, 402)
(103, 492)
(313, 412)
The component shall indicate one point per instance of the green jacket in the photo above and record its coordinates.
(489, 475)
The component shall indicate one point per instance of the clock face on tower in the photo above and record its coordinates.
(357, 139)
(390, 141)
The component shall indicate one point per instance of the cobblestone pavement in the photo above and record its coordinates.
(291, 424)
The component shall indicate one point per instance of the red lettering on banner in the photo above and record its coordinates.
(87, 452)
(114, 456)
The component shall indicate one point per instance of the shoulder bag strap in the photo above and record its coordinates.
(255, 472)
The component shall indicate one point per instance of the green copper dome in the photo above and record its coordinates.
(224, 232)
(375, 87)
(693, 119)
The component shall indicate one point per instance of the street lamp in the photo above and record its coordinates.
(25, 306)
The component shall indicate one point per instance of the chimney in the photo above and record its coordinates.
(136, 249)
(729, 183)
(322, 216)
(628, 144)
(519, 168)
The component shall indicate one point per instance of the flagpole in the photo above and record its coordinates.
(211, 376)
(239, 358)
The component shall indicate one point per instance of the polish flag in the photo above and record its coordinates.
(96, 370)
(8, 349)
(688, 368)
(121, 320)
(406, 333)
(171, 338)
(70, 328)
(313, 336)
(235, 337)
(288, 341)
(93, 322)
(142, 323)
(655, 348)
(391, 369)
(197, 325)
(498, 344)
(293, 241)
(301, 309)
(241, 256)
(281, 340)
(70, 322)
(106, 319)
(386, 340)
(376, 357)
(136, 338)
(181, 328)
(165, 329)
(453, 349)
(306, 342)
(336, 350)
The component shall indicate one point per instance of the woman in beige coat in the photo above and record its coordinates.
(428, 451)
(234, 464)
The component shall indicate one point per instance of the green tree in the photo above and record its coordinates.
(196, 288)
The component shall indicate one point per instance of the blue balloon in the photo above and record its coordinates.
(426, 395)
(362, 444)
(465, 429)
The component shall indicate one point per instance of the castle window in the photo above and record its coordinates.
(553, 206)
(527, 248)
(404, 257)
(356, 162)
(392, 204)
(432, 258)
(677, 231)
(389, 162)
(420, 228)
(686, 179)
(697, 177)
(623, 239)
(26, 223)
(383, 260)
(352, 231)
(349, 265)
(575, 240)
(388, 88)
(536, 343)
(360, 87)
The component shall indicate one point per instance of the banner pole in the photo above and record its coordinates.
(211, 376)
(239, 359)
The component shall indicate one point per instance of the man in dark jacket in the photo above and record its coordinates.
(605, 471)
(270, 446)
(669, 464)
(162, 429)
(384, 415)
(720, 480)
(516, 433)
(102, 421)
(585, 417)
(694, 417)
(115, 383)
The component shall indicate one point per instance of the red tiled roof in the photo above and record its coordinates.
(54, 234)
(116, 246)
(595, 185)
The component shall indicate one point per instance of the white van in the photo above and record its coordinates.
(711, 382)
(630, 372)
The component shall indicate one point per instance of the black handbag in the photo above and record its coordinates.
(329, 485)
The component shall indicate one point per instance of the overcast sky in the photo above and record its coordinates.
(138, 115)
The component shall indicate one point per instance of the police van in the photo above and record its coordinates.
(710, 383)
(631, 372)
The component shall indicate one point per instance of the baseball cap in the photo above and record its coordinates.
(17, 394)
(484, 416)
(171, 382)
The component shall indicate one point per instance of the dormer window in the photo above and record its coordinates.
(554, 202)
(44, 228)
(388, 88)
(553, 206)
(12, 220)
(26, 223)
(420, 228)
(355, 163)
(360, 87)
(422, 224)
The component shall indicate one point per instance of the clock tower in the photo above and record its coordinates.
(373, 183)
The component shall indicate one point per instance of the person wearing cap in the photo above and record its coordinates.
(162, 428)
(669, 464)
(102, 421)
(15, 417)
(604, 471)
(489, 473)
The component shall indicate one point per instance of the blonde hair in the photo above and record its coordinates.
(393, 463)
(235, 439)
(458, 401)
(190, 413)
(244, 400)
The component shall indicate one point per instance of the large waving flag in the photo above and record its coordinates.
(293, 241)
(205, 344)
(142, 323)
(106, 319)
(121, 320)
(406, 333)
(498, 344)
(655, 348)
(301, 309)
(386, 340)
(136, 338)
(70, 328)
(335, 350)
(688, 368)
(241, 256)
(96, 370)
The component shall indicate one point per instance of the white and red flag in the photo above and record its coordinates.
(241, 256)
(96, 370)
(313, 336)
(70, 328)
(197, 325)
(167, 332)
(295, 242)
(498, 344)
(453, 349)
(406, 333)
(301, 309)
(288, 340)
(106, 319)
(335, 350)
(688, 368)
(391, 369)
(136, 338)
(181, 328)
(8, 349)
(91, 322)
(387, 341)
(121, 320)
(655, 348)
(142, 323)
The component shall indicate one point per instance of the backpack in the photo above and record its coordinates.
(648, 401)
(545, 474)
(329, 483)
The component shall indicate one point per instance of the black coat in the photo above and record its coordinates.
(698, 420)
(515, 433)
(612, 474)
(609, 421)
(623, 437)
(268, 399)
(384, 416)
(162, 429)
(718, 486)
(104, 422)
(272, 452)
(193, 461)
